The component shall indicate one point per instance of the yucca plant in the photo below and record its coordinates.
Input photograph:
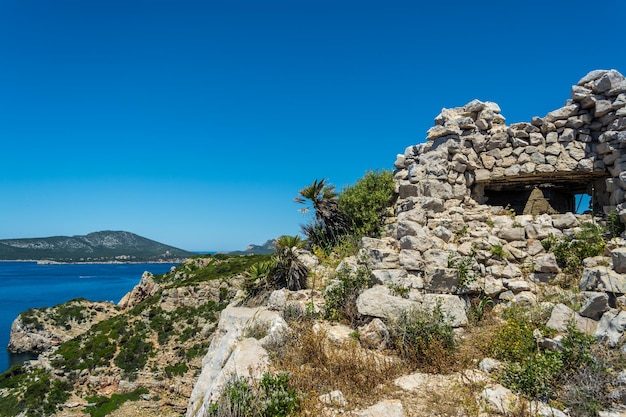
(289, 271)
(330, 222)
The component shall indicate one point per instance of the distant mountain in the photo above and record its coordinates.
(105, 246)
(266, 248)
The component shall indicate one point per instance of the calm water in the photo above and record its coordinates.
(25, 284)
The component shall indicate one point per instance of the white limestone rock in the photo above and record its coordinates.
(611, 327)
(387, 408)
(379, 302)
(594, 304)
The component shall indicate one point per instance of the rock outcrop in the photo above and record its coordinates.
(236, 350)
(39, 330)
(475, 202)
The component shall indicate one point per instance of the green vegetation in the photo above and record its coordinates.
(423, 337)
(367, 202)
(577, 375)
(499, 252)
(465, 268)
(330, 221)
(176, 370)
(283, 270)
(30, 319)
(341, 295)
(271, 397)
(360, 210)
(31, 390)
(289, 271)
(220, 266)
(570, 251)
(398, 290)
(65, 313)
(100, 406)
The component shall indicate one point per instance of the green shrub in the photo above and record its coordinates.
(366, 203)
(29, 318)
(570, 252)
(614, 226)
(278, 399)
(514, 341)
(31, 392)
(535, 376)
(133, 354)
(423, 337)
(178, 369)
(340, 296)
(100, 406)
(464, 266)
(573, 375)
(273, 397)
(398, 290)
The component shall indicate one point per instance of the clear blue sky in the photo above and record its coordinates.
(195, 123)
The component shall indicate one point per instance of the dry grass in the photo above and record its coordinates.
(317, 366)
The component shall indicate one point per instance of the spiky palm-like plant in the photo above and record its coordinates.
(328, 215)
(258, 276)
(289, 271)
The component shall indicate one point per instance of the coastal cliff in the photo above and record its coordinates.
(487, 294)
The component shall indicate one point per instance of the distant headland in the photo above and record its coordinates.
(97, 247)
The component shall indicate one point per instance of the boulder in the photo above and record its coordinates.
(452, 306)
(594, 304)
(374, 335)
(601, 278)
(231, 353)
(498, 399)
(618, 257)
(547, 264)
(611, 327)
(562, 317)
(379, 302)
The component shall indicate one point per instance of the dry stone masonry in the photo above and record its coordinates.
(474, 204)
(471, 152)
(478, 197)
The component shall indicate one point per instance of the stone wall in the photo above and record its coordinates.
(578, 148)
(446, 244)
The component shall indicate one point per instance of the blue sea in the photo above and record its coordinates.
(24, 285)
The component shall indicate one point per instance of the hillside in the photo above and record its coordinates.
(265, 249)
(471, 288)
(104, 246)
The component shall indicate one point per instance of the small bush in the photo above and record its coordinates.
(570, 252)
(366, 203)
(100, 406)
(535, 376)
(340, 296)
(272, 397)
(514, 340)
(464, 266)
(423, 337)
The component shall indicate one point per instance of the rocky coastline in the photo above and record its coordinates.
(480, 208)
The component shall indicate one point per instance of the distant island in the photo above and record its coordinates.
(264, 249)
(103, 246)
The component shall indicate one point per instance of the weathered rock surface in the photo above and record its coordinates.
(39, 330)
(232, 353)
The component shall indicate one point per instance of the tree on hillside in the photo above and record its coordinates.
(330, 222)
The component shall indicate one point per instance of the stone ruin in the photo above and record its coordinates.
(576, 149)
(484, 195)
